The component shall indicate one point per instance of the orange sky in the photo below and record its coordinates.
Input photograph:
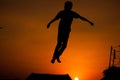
(26, 45)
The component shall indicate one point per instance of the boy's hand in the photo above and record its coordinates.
(91, 23)
(48, 25)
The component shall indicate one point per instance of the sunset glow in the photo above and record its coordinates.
(27, 46)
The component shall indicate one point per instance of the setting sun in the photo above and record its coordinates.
(76, 78)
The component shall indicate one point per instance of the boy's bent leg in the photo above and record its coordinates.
(61, 51)
(56, 52)
(58, 60)
(64, 45)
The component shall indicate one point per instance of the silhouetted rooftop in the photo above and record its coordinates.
(9, 79)
(35, 76)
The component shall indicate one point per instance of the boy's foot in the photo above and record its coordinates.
(53, 61)
(58, 60)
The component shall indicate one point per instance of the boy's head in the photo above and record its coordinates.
(68, 5)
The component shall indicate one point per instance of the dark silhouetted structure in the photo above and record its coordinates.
(35, 76)
(112, 73)
(66, 17)
(114, 59)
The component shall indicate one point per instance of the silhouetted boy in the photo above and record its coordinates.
(64, 29)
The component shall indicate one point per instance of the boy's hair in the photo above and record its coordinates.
(68, 5)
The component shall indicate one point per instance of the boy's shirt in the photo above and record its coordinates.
(66, 19)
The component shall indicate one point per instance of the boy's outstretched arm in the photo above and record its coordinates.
(48, 25)
(91, 23)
